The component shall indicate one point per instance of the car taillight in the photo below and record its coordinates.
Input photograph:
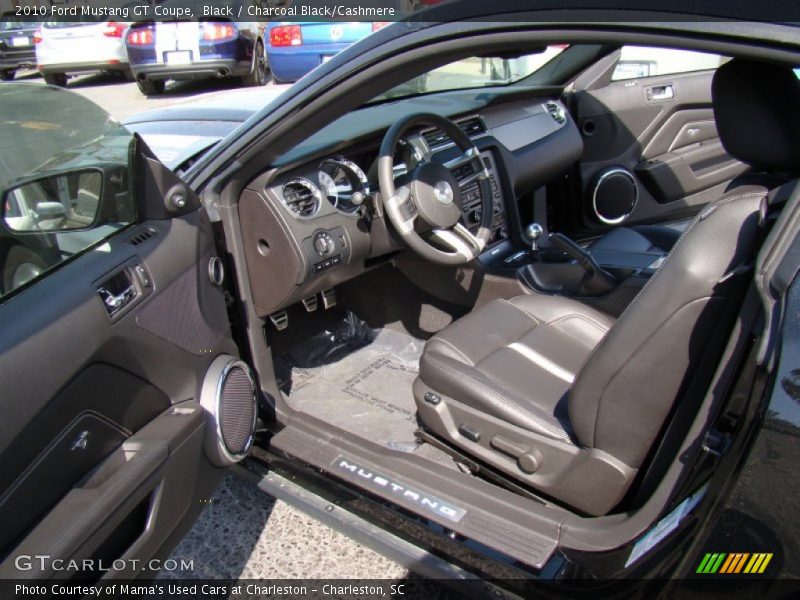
(140, 36)
(286, 35)
(37, 37)
(213, 32)
(114, 30)
(376, 25)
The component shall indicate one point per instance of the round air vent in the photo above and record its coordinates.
(614, 194)
(301, 197)
(229, 399)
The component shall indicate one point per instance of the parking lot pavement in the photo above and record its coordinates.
(122, 98)
(246, 534)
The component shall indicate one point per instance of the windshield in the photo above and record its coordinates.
(474, 72)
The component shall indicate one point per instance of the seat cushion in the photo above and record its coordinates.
(644, 238)
(516, 359)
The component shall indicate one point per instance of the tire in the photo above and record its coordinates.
(20, 266)
(56, 79)
(258, 76)
(151, 87)
(7, 74)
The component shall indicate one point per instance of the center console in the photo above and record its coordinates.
(606, 279)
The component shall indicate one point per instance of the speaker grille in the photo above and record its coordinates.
(237, 411)
(615, 195)
(176, 314)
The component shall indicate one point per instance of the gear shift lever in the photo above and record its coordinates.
(534, 231)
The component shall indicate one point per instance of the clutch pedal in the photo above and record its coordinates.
(280, 320)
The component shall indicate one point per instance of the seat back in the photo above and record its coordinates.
(671, 336)
(626, 389)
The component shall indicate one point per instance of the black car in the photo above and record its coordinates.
(520, 319)
(17, 50)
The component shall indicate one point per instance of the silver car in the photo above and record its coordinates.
(64, 49)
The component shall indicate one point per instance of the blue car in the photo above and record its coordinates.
(295, 48)
(183, 49)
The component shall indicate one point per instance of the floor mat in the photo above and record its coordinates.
(357, 379)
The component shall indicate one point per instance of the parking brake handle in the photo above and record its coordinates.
(597, 280)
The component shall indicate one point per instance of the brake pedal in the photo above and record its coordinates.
(280, 320)
(310, 303)
(328, 298)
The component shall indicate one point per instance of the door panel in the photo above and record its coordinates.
(662, 130)
(102, 432)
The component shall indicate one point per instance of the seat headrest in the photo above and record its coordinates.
(757, 109)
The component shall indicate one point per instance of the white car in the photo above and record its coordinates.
(64, 49)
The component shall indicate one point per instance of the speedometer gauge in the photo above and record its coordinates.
(344, 183)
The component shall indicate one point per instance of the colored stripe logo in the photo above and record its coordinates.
(733, 563)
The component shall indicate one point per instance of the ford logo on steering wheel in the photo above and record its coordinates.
(443, 192)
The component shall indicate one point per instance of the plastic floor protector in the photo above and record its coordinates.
(357, 379)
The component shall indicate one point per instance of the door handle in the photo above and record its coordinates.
(658, 93)
(116, 302)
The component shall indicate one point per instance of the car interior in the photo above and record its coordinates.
(501, 280)
(467, 290)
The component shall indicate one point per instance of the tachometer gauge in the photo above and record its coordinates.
(344, 183)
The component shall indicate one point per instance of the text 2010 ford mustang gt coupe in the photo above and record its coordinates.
(489, 297)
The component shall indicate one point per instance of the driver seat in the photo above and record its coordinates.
(562, 398)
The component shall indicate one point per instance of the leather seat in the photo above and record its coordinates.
(563, 399)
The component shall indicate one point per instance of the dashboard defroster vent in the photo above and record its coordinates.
(472, 126)
(141, 236)
(301, 197)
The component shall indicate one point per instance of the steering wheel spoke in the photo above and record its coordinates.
(460, 240)
(401, 207)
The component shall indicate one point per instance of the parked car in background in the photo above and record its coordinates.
(16, 46)
(196, 50)
(67, 48)
(296, 48)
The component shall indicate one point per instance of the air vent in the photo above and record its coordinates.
(301, 197)
(557, 112)
(140, 237)
(472, 126)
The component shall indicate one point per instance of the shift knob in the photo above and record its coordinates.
(534, 232)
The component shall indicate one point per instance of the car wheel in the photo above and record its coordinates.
(258, 76)
(56, 79)
(151, 87)
(20, 266)
(7, 74)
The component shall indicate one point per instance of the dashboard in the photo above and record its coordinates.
(315, 218)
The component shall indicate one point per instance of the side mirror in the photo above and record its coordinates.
(65, 201)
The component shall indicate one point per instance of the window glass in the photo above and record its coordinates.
(475, 72)
(64, 180)
(644, 61)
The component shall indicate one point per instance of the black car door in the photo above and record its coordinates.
(108, 348)
(649, 134)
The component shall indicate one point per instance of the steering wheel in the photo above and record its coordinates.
(430, 202)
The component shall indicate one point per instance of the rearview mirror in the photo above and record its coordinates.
(56, 202)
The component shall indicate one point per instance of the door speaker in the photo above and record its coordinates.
(228, 396)
(614, 192)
